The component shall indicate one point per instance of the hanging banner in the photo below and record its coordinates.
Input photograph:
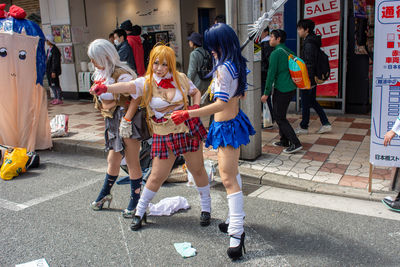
(326, 16)
(386, 83)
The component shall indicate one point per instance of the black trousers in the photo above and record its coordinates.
(309, 100)
(280, 107)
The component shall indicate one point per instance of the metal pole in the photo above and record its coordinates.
(231, 12)
(298, 50)
(344, 61)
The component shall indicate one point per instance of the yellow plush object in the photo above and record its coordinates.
(14, 163)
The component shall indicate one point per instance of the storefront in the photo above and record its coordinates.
(75, 23)
(347, 30)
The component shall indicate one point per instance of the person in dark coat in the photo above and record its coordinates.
(53, 69)
(309, 54)
(147, 46)
(266, 51)
(124, 49)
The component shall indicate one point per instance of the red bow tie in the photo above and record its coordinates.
(166, 83)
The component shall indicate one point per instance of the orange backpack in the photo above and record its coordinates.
(298, 71)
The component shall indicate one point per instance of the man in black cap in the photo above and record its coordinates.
(198, 58)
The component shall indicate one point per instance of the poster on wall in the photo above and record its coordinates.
(151, 28)
(67, 57)
(326, 15)
(386, 83)
(276, 22)
(61, 33)
(360, 8)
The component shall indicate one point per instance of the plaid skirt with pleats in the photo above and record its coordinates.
(179, 143)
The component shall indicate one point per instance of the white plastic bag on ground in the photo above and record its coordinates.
(210, 170)
(168, 206)
(59, 125)
(267, 119)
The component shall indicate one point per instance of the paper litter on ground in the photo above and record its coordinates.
(185, 249)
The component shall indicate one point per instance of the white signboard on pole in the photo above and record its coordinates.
(386, 83)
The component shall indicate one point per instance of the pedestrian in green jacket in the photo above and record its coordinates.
(284, 91)
(196, 61)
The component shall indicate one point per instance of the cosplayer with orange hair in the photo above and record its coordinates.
(163, 91)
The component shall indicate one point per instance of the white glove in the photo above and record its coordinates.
(125, 128)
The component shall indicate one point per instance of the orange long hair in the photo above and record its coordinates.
(162, 53)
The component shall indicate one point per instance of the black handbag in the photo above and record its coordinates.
(140, 122)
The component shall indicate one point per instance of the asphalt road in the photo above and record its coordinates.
(45, 214)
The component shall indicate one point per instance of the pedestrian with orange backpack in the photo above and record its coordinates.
(285, 89)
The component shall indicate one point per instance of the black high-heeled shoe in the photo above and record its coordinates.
(223, 227)
(235, 253)
(137, 222)
(205, 218)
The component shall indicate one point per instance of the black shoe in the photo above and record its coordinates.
(137, 222)
(236, 253)
(205, 218)
(223, 227)
(282, 144)
(293, 148)
(393, 205)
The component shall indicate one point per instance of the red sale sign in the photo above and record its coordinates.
(326, 15)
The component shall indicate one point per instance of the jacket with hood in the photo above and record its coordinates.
(309, 54)
(136, 43)
(125, 54)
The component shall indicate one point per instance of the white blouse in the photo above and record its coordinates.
(225, 81)
(122, 78)
(157, 102)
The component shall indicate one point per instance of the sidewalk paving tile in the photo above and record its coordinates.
(327, 177)
(321, 149)
(357, 131)
(354, 181)
(334, 168)
(327, 141)
(353, 137)
(359, 125)
(316, 156)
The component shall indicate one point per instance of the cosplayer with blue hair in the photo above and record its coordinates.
(223, 40)
(23, 105)
(231, 127)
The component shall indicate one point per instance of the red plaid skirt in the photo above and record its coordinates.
(179, 143)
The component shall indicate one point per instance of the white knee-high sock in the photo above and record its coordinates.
(205, 198)
(236, 214)
(145, 198)
(239, 180)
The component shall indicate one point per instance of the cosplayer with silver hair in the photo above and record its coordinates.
(104, 53)
(122, 138)
(164, 90)
(231, 127)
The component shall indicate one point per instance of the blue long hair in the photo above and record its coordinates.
(11, 24)
(222, 39)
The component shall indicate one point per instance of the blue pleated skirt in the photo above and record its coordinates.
(235, 132)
